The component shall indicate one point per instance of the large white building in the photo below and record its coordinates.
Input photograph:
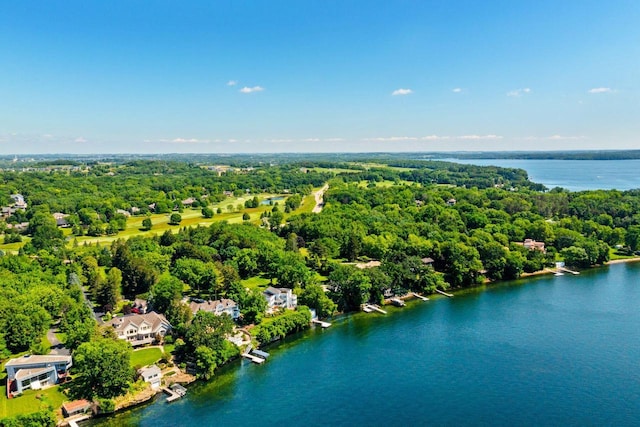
(217, 307)
(35, 372)
(140, 329)
(280, 298)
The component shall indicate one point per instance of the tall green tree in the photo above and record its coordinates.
(103, 368)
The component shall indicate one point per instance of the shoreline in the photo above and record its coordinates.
(409, 296)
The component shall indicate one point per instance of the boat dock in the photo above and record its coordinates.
(397, 302)
(260, 353)
(566, 270)
(444, 293)
(372, 307)
(420, 296)
(175, 392)
(255, 355)
(321, 323)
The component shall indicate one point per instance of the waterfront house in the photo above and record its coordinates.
(152, 375)
(280, 298)
(76, 407)
(532, 245)
(35, 372)
(217, 307)
(140, 329)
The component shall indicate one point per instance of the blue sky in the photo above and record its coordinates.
(318, 76)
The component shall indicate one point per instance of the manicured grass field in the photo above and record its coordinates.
(145, 356)
(160, 222)
(30, 401)
(256, 283)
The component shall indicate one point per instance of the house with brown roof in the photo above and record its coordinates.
(532, 245)
(217, 307)
(76, 407)
(35, 372)
(140, 329)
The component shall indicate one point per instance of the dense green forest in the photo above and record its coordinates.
(427, 225)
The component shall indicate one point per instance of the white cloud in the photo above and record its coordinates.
(251, 89)
(232, 82)
(457, 90)
(479, 137)
(519, 92)
(334, 139)
(186, 141)
(434, 138)
(601, 90)
(80, 139)
(401, 92)
(553, 138)
(392, 139)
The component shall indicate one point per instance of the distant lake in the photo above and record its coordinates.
(536, 352)
(574, 175)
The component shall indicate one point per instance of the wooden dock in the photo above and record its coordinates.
(397, 302)
(444, 293)
(373, 307)
(420, 296)
(568, 271)
(259, 353)
(321, 323)
(254, 359)
(175, 393)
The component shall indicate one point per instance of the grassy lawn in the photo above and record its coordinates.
(168, 348)
(256, 282)
(30, 401)
(614, 255)
(145, 356)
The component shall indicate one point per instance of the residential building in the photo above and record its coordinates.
(140, 329)
(217, 307)
(533, 245)
(152, 375)
(280, 298)
(75, 407)
(18, 201)
(35, 372)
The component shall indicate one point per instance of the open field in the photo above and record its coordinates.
(190, 218)
(145, 356)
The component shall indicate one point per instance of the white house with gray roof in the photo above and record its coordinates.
(217, 307)
(35, 372)
(280, 298)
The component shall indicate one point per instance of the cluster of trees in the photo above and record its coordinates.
(93, 197)
(426, 236)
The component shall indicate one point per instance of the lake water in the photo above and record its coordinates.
(540, 351)
(574, 175)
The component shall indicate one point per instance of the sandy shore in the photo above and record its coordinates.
(624, 260)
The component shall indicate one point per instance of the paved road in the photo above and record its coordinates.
(319, 201)
(56, 346)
